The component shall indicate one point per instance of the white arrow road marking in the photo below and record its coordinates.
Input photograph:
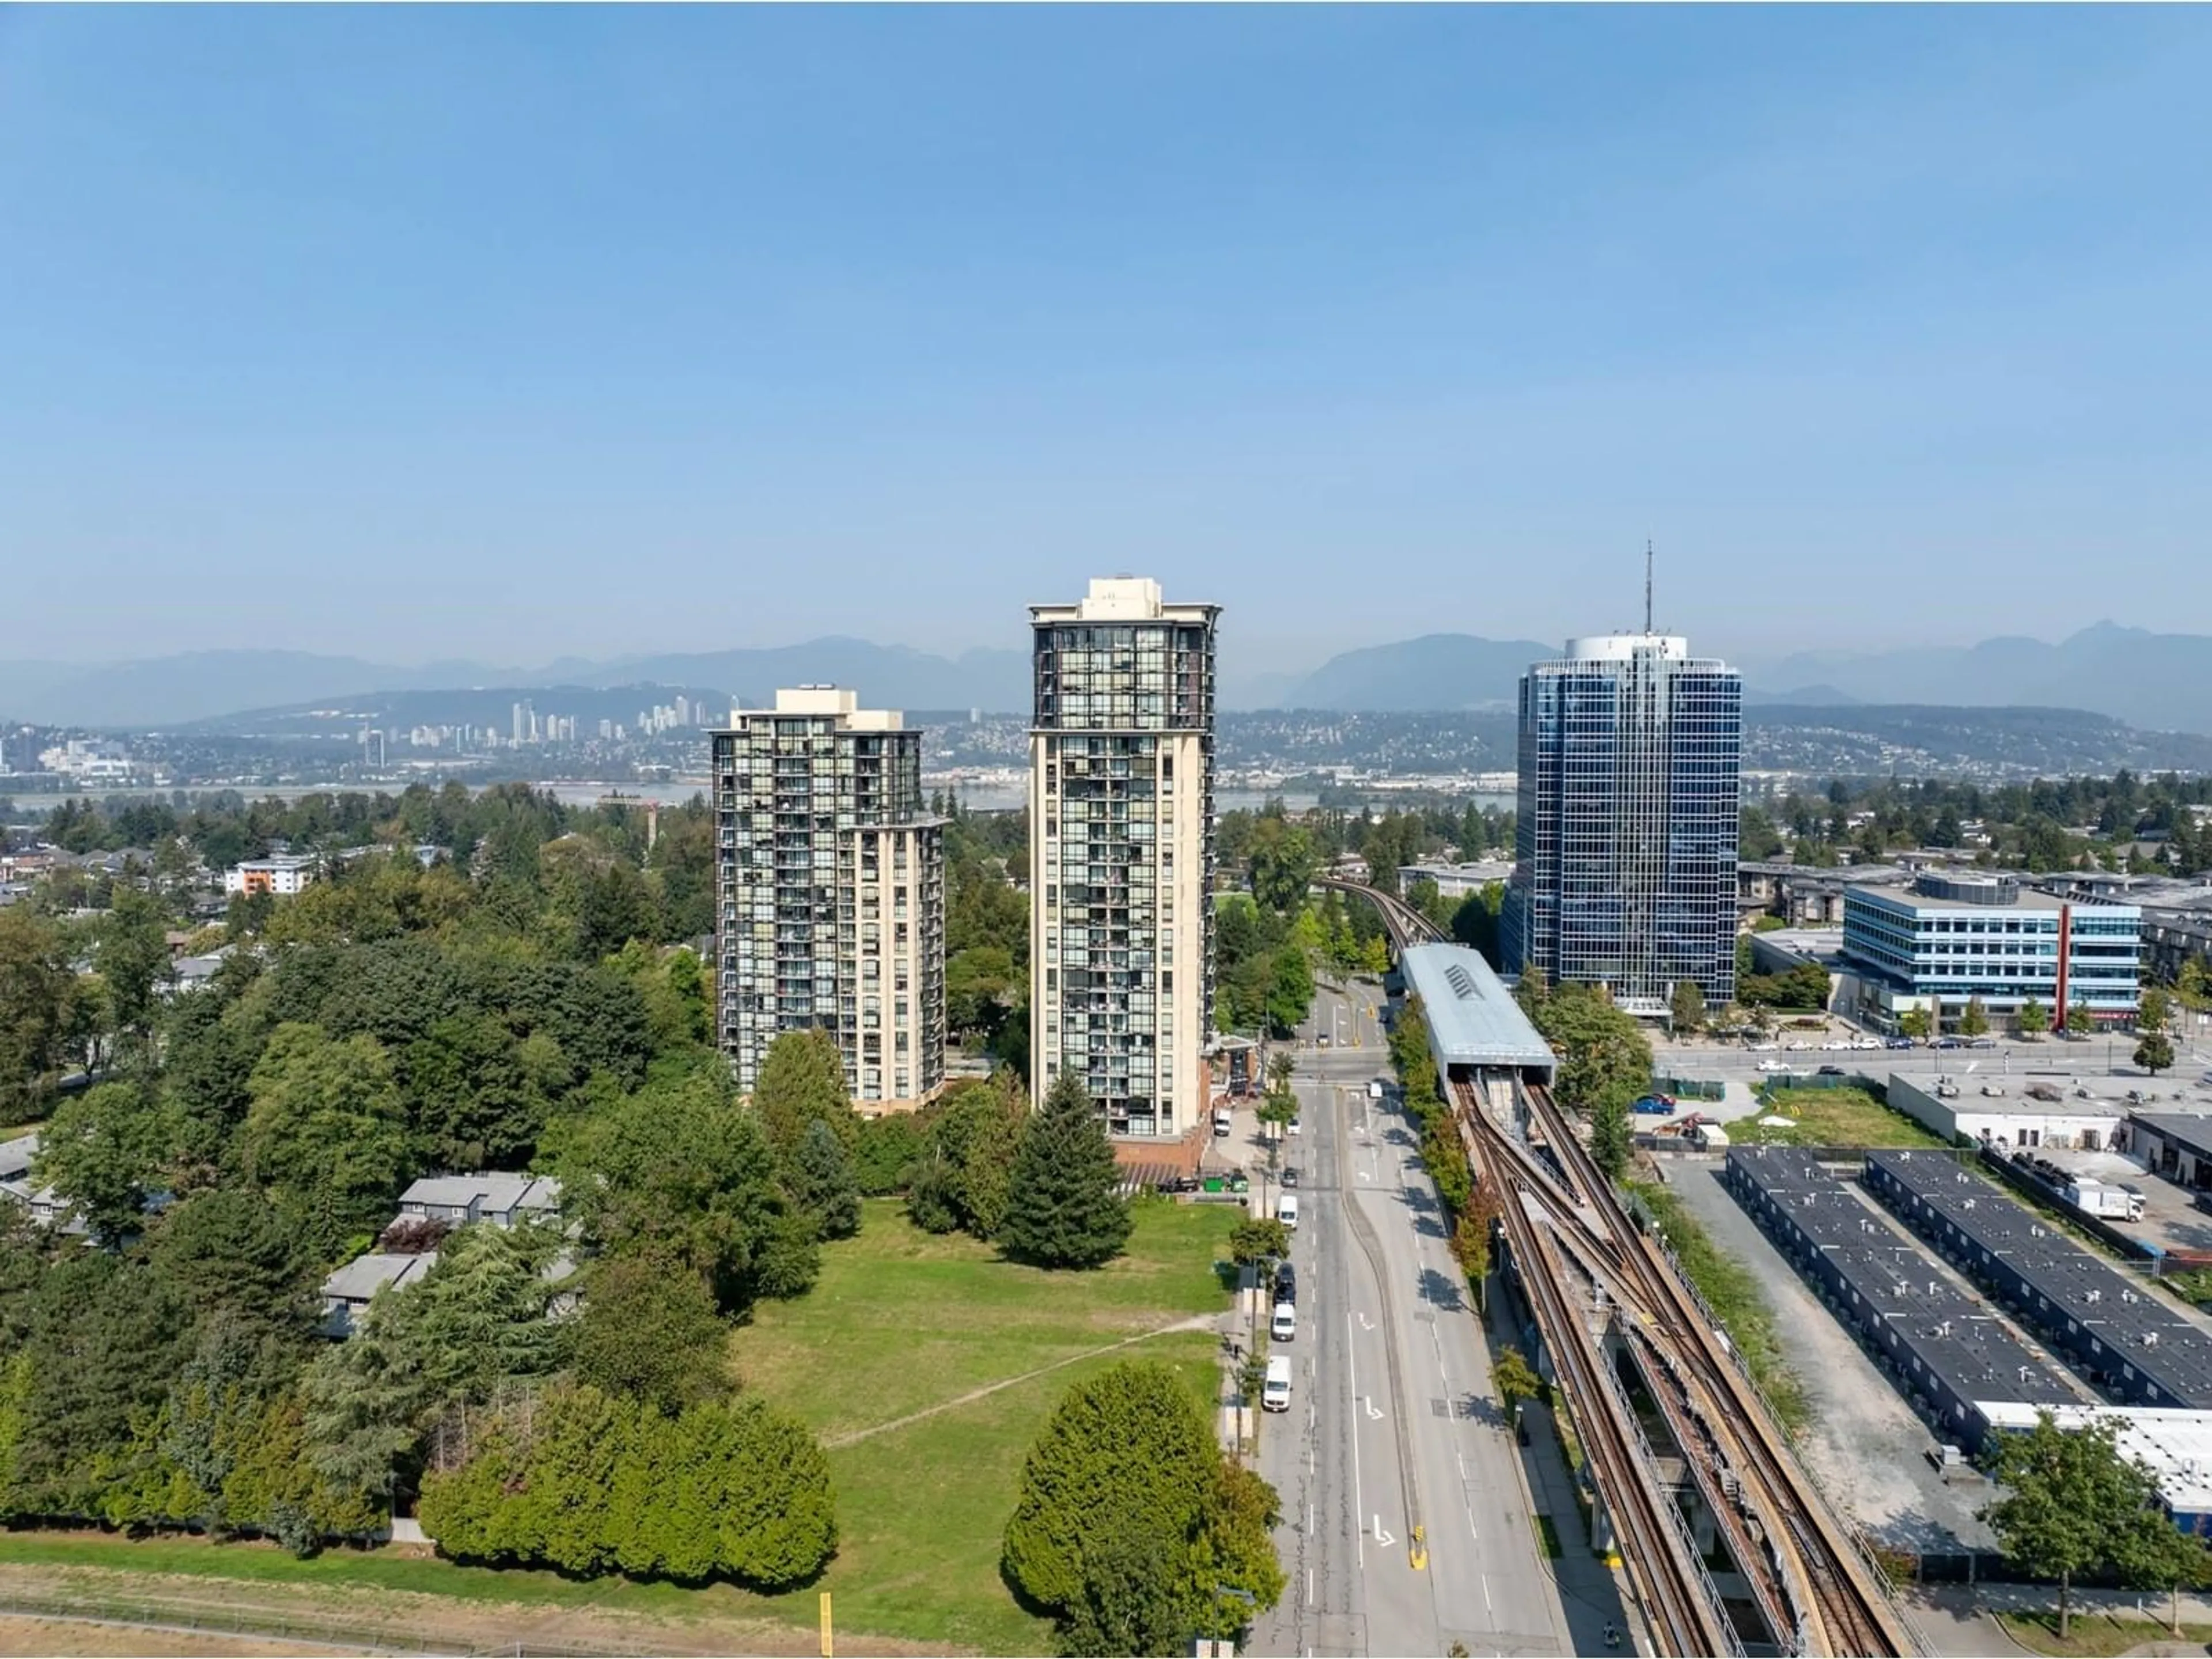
(1381, 1537)
(1365, 1323)
(1373, 1416)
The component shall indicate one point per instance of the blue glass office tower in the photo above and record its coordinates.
(1631, 760)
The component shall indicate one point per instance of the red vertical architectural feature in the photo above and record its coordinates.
(2065, 952)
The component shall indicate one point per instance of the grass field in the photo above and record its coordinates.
(2097, 1635)
(900, 1323)
(1832, 1117)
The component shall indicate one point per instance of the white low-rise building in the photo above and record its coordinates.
(2011, 1116)
(282, 875)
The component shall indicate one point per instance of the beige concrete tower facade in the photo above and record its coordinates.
(1121, 852)
(830, 894)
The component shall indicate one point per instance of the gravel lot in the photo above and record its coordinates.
(1866, 1448)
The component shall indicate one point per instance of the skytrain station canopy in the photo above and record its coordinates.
(1474, 1021)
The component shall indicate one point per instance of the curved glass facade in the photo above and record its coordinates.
(1631, 761)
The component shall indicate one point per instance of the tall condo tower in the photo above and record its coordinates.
(1631, 753)
(1121, 852)
(830, 894)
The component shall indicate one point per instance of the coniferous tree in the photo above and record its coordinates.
(1130, 1521)
(823, 1184)
(1066, 1209)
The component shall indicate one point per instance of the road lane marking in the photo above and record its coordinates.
(1381, 1537)
(1373, 1415)
(1365, 1323)
(1358, 1498)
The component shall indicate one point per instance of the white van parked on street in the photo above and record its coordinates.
(1286, 1211)
(1275, 1393)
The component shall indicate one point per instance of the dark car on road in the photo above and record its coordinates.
(1831, 1071)
(1286, 1283)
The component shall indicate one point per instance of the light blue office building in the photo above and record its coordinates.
(1952, 937)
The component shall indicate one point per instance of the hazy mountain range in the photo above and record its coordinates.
(2158, 682)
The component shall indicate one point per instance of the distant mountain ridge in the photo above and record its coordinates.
(2154, 682)
(2158, 682)
(1437, 671)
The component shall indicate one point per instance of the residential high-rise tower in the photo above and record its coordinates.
(1625, 849)
(830, 893)
(1121, 852)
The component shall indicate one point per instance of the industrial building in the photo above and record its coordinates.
(2012, 1117)
(1122, 853)
(1952, 937)
(1624, 868)
(2177, 1444)
(2176, 1144)
(1475, 1023)
(2131, 1342)
(830, 894)
(1945, 1351)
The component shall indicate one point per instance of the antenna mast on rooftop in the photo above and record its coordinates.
(1647, 583)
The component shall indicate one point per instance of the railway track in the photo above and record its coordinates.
(1816, 1590)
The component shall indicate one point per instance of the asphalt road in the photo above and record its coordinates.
(1392, 1422)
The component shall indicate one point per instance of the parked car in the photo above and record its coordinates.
(1275, 1393)
(1286, 1282)
(1950, 1042)
(1832, 1071)
(1898, 1042)
(1655, 1105)
(1772, 1065)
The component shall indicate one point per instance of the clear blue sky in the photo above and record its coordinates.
(514, 333)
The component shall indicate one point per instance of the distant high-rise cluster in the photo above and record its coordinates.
(1121, 852)
(667, 717)
(1625, 871)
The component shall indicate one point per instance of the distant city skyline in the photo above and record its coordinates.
(1365, 323)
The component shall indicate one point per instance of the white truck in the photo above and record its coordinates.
(2106, 1201)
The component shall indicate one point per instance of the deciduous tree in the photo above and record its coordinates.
(802, 1080)
(1975, 1021)
(649, 1332)
(2032, 1018)
(105, 1150)
(326, 1133)
(2072, 1505)
(1686, 1006)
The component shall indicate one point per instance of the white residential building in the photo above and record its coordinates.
(1121, 852)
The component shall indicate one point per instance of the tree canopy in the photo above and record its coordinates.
(1130, 1521)
(1066, 1210)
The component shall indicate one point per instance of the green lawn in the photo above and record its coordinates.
(900, 1322)
(1832, 1117)
(2097, 1635)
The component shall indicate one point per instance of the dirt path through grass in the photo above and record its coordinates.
(1198, 1323)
